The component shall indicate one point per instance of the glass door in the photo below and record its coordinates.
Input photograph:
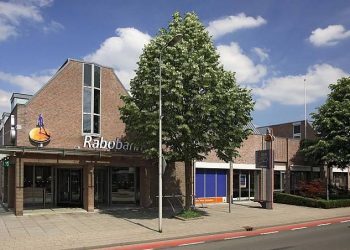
(101, 186)
(123, 185)
(76, 189)
(69, 187)
(38, 186)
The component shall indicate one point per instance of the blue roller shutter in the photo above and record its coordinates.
(200, 182)
(221, 183)
(210, 183)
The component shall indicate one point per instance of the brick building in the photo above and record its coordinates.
(294, 130)
(65, 147)
(338, 177)
(74, 153)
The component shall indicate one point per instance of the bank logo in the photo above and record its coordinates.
(40, 134)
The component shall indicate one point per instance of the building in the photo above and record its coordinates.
(338, 177)
(212, 174)
(65, 146)
(294, 130)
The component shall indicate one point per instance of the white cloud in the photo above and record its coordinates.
(329, 36)
(53, 26)
(261, 53)
(289, 90)
(16, 12)
(234, 59)
(230, 24)
(121, 52)
(27, 84)
(4, 101)
(6, 31)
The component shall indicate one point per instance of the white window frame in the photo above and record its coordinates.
(92, 87)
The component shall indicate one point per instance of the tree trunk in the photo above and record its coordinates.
(189, 184)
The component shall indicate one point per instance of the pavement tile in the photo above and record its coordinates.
(63, 231)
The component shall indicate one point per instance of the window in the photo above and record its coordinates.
(296, 130)
(92, 99)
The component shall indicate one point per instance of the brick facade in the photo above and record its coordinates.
(60, 102)
(285, 130)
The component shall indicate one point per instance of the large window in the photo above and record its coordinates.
(92, 99)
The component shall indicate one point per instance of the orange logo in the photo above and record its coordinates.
(40, 134)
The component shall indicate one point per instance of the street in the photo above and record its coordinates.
(335, 236)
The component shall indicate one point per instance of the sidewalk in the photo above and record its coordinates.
(107, 228)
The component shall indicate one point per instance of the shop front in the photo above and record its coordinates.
(47, 179)
(62, 186)
(212, 181)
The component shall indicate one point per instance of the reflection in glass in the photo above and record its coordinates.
(97, 101)
(123, 185)
(96, 124)
(87, 123)
(87, 74)
(87, 100)
(97, 76)
(37, 186)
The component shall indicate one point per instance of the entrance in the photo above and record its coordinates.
(101, 186)
(69, 187)
(38, 186)
(243, 184)
(123, 185)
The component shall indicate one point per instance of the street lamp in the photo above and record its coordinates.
(171, 43)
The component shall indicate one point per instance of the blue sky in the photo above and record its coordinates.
(271, 45)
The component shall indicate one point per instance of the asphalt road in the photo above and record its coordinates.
(334, 237)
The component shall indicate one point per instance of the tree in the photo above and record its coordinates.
(204, 109)
(332, 124)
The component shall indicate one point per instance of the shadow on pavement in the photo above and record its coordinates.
(137, 215)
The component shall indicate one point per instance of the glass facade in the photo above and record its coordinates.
(47, 187)
(92, 99)
(38, 186)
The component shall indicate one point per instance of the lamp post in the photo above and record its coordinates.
(171, 43)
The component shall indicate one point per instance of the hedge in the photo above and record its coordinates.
(309, 202)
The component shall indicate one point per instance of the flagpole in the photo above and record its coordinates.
(304, 108)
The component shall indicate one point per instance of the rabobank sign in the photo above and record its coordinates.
(100, 143)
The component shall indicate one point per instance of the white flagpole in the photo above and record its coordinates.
(304, 108)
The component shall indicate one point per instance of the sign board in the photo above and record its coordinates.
(243, 180)
(262, 158)
(6, 163)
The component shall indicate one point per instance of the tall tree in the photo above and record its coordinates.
(332, 124)
(204, 109)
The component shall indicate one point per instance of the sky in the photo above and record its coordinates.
(274, 47)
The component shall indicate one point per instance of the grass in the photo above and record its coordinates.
(190, 214)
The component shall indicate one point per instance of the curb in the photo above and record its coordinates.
(231, 235)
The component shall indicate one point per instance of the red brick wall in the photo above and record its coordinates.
(256, 142)
(286, 130)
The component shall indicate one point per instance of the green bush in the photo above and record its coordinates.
(309, 202)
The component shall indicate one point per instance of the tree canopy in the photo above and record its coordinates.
(332, 124)
(203, 107)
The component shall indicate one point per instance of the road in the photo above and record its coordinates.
(334, 236)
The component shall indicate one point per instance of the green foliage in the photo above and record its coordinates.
(190, 213)
(332, 124)
(309, 202)
(203, 107)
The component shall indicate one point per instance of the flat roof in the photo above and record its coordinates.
(21, 96)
